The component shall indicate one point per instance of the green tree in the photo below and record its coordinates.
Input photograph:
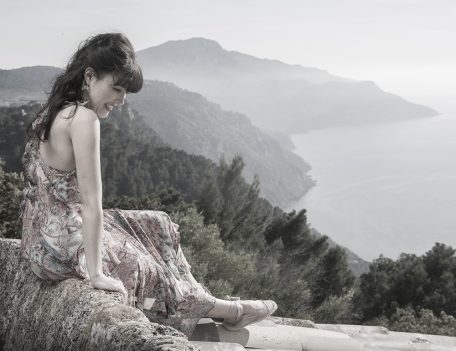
(335, 310)
(333, 278)
(440, 265)
(420, 282)
(408, 283)
(11, 185)
(374, 289)
(231, 187)
(210, 201)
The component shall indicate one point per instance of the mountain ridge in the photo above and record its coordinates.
(274, 95)
(176, 51)
(182, 118)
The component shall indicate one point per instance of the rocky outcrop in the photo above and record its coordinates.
(70, 315)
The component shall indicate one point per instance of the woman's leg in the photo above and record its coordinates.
(241, 312)
(222, 308)
(238, 314)
(228, 310)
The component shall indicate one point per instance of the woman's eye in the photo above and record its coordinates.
(120, 90)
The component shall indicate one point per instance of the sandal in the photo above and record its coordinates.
(253, 311)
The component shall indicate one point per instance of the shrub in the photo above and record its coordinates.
(335, 310)
(424, 321)
(11, 185)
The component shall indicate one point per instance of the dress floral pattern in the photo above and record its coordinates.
(141, 248)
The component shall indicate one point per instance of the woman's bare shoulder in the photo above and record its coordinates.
(82, 122)
(80, 112)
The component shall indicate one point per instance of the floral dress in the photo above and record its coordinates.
(139, 247)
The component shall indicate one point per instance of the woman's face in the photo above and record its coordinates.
(104, 95)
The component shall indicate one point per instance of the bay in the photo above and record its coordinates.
(384, 188)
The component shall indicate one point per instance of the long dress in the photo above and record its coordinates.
(141, 248)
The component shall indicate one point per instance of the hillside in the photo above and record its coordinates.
(20, 85)
(187, 121)
(273, 94)
(136, 163)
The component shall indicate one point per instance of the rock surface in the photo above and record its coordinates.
(70, 315)
(272, 335)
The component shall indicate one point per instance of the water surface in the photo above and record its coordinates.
(384, 188)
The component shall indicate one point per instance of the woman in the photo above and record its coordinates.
(67, 234)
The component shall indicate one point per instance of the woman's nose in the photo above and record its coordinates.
(122, 98)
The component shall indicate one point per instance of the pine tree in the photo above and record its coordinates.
(334, 277)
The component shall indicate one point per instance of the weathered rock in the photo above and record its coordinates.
(379, 338)
(218, 346)
(293, 322)
(267, 335)
(70, 315)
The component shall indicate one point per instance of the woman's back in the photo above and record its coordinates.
(57, 151)
(52, 204)
(50, 212)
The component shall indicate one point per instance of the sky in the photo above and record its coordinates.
(406, 46)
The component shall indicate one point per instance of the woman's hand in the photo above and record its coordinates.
(110, 284)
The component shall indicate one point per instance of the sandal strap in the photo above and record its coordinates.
(247, 318)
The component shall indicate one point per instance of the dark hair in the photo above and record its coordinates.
(106, 53)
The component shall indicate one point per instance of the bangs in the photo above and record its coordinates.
(131, 78)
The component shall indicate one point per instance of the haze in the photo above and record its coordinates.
(405, 46)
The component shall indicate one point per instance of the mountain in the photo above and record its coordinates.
(273, 94)
(25, 84)
(189, 122)
(199, 56)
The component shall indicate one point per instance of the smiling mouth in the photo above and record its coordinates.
(109, 107)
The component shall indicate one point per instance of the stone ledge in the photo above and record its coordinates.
(70, 315)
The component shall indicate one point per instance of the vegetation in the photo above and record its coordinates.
(238, 244)
(418, 283)
(424, 321)
(11, 185)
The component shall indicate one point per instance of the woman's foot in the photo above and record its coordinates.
(247, 312)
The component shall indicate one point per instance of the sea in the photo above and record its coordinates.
(383, 189)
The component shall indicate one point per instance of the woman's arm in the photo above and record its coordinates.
(85, 137)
